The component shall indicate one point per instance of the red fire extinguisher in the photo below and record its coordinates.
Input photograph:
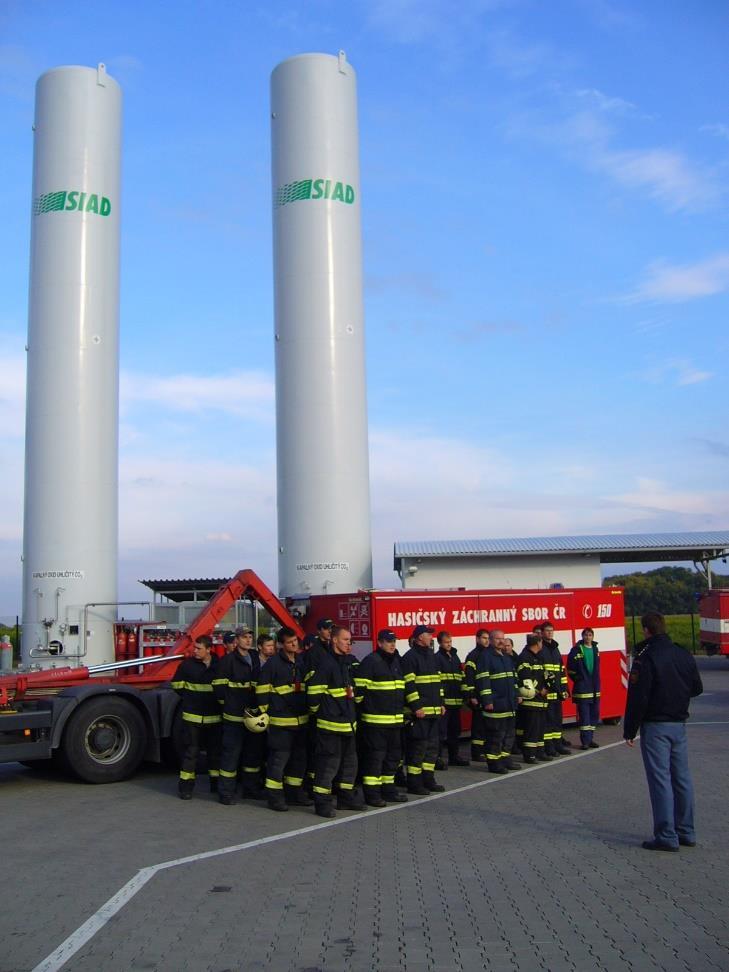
(120, 643)
(132, 643)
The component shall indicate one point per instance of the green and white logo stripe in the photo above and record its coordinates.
(49, 202)
(313, 189)
(293, 191)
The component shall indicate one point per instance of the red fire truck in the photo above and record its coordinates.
(463, 612)
(714, 622)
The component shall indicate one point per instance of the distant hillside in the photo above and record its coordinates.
(670, 590)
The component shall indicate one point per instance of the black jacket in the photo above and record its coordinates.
(330, 693)
(532, 666)
(469, 672)
(234, 684)
(423, 689)
(496, 684)
(585, 685)
(380, 690)
(555, 670)
(662, 681)
(193, 682)
(281, 692)
(451, 676)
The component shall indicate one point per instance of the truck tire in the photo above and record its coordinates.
(105, 740)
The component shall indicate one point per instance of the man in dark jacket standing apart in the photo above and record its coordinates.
(424, 696)
(662, 681)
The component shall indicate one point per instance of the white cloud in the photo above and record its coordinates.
(672, 283)
(718, 128)
(606, 103)
(678, 371)
(665, 174)
(240, 393)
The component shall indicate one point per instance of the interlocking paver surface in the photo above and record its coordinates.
(539, 870)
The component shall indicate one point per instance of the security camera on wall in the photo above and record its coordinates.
(412, 570)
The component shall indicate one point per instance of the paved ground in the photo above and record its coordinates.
(539, 870)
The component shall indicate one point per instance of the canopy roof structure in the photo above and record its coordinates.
(611, 548)
(190, 589)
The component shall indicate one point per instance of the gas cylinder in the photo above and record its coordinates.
(120, 643)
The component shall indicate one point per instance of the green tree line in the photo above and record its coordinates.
(670, 590)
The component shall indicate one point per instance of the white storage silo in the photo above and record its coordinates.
(71, 457)
(324, 542)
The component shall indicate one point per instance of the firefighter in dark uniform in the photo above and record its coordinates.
(315, 646)
(235, 689)
(281, 693)
(583, 667)
(496, 681)
(330, 698)
(553, 743)
(380, 697)
(201, 718)
(424, 696)
(531, 713)
(451, 676)
(478, 729)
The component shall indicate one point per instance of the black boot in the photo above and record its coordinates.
(296, 796)
(544, 757)
(323, 806)
(391, 794)
(562, 750)
(252, 790)
(455, 759)
(415, 785)
(350, 800)
(477, 754)
(511, 764)
(497, 767)
(373, 796)
(185, 788)
(276, 801)
(429, 782)
(213, 784)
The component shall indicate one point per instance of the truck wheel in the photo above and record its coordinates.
(614, 721)
(105, 740)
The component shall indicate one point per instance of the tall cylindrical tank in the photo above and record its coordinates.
(324, 543)
(72, 414)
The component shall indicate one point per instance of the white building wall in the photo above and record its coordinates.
(494, 573)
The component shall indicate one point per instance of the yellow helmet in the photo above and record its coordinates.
(253, 722)
(528, 688)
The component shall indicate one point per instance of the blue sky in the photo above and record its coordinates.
(544, 202)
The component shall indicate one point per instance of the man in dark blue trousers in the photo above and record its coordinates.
(663, 680)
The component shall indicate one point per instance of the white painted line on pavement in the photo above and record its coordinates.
(77, 939)
(714, 722)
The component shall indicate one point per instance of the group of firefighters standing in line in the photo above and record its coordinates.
(310, 720)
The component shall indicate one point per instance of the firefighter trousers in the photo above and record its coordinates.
(197, 737)
(500, 734)
(336, 755)
(381, 752)
(478, 732)
(588, 716)
(553, 722)
(530, 721)
(421, 746)
(449, 731)
(286, 762)
(240, 749)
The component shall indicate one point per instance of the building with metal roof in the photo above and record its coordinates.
(543, 562)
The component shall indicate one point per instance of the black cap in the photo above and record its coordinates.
(228, 638)
(386, 635)
(421, 629)
(324, 623)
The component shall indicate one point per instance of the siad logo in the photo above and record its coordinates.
(314, 189)
(71, 201)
